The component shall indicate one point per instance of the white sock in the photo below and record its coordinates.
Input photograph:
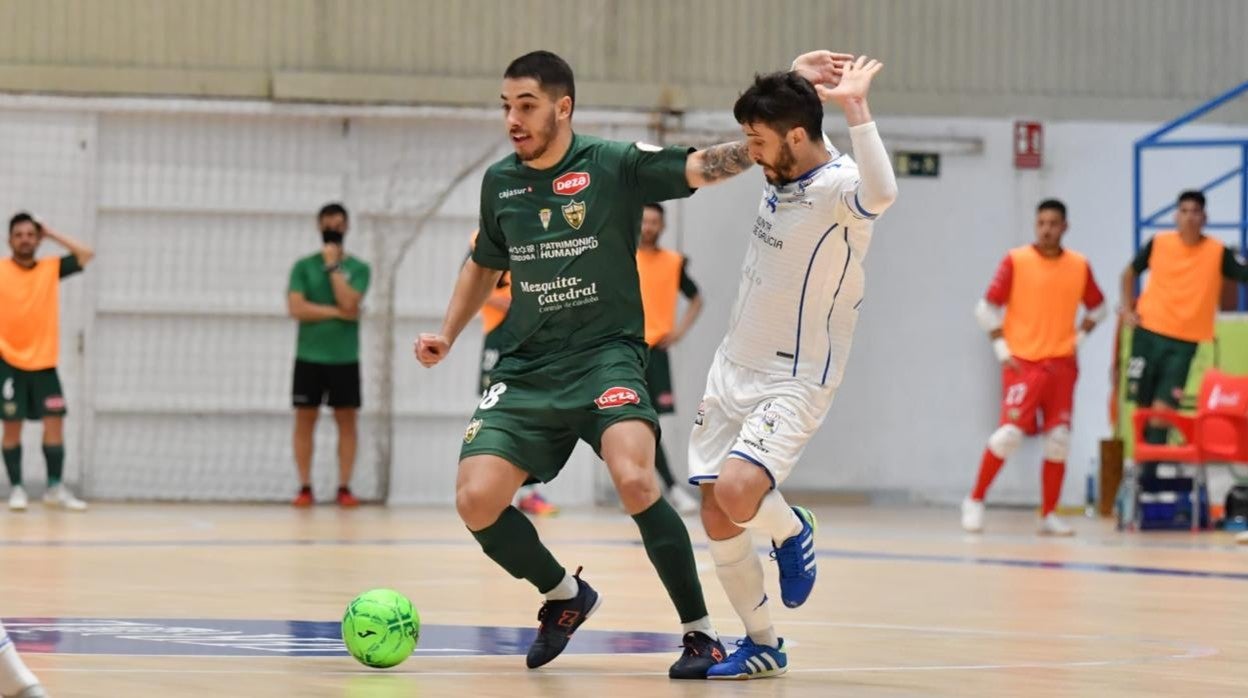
(775, 518)
(741, 574)
(701, 625)
(14, 676)
(564, 590)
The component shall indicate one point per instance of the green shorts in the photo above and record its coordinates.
(1158, 368)
(533, 418)
(659, 381)
(29, 395)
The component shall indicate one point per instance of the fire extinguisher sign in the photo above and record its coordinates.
(1028, 145)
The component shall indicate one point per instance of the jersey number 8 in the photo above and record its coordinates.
(491, 397)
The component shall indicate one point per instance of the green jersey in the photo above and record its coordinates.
(569, 236)
(327, 341)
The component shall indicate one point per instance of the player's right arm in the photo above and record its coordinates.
(990, 310)
(477, 279)
(1129, 275)
(474, 285)
(302, 309)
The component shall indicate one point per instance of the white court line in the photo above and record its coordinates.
(1192, 652)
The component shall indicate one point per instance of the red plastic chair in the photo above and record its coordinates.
(1222, 418)
(1218, 433)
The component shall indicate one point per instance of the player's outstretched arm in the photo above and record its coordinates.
(878, 188)
(715, 164)
(473, 287)
(76, 247)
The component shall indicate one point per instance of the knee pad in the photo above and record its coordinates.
(1057, 444)
(1005, 441)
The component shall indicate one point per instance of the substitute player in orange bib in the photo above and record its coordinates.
(1030, 311)
(30, 388)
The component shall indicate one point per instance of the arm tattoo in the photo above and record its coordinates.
(722, 161)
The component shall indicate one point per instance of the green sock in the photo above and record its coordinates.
(660, 464)
(54, 454)
(512, 542)
(667, 544)
(13, 464)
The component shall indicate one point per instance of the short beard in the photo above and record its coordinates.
(547, 137)
(783, 167)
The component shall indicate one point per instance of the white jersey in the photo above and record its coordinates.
(802, 281)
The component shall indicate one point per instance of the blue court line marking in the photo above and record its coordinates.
(1068, 566)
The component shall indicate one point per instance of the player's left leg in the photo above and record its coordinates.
(627, 446)
(347, 419)
(745, 492)
(1057, 403)
(16, 680)
(344, 397)
(50, 401)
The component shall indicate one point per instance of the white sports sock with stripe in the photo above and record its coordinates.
(741, 575)
(775, 518)
(14, 676)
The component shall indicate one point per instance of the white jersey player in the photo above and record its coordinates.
(777, 369)
(16, 681)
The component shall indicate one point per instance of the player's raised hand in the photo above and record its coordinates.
(822, 67)
(431, 349)
(854, 81)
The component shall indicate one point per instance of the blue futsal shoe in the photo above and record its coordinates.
(751, 661)
(796, 559)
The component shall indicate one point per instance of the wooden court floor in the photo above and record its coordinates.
(187, 600)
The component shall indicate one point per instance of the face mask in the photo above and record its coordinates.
(331, 236)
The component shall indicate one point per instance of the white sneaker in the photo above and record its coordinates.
(18, 499)
(1242, 538)
(60, 496)
(972, 516)
(35, 691)
(1051, 525)
(682, 501)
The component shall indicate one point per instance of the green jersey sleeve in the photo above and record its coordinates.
(297, 284)
(491, 248)
(1140, 263)
(658, 174)
(69, 266)
(361, 277)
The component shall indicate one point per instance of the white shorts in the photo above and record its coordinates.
(758, 417)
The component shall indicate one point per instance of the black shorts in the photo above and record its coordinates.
(659, 381)
(314, 382)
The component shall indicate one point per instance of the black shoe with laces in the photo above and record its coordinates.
(559, 619)
(701, 653)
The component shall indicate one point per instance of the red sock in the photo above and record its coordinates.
(989, 466)
(1054, 471)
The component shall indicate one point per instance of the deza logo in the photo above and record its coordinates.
(617, 397)
(571, 183)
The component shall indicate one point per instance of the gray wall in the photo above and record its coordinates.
(1097, 59)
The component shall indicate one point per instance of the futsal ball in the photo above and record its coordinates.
(381, 628)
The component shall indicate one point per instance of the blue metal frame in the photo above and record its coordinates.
(1154, 141)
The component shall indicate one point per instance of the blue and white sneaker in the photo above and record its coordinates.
(751, 661)
(796, 559)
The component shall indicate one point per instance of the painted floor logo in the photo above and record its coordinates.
(275, 638)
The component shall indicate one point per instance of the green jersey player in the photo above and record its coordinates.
(561, 214)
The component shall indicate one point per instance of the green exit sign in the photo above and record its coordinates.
(918, 164)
